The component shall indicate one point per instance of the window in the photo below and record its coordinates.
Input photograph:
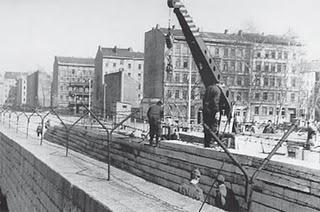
(264, 110)
(279, 67)
(283, 111)
(177, 94)
(257, 96)
(258, 54)
(139, 86)
(272, 81)
(246, 96)
(271, 96)
(226, 52)
(256, 110)
(185, 63)
(129, 65)
(233, 52)
(258, 81)
(273, 55)
(266, 81)
(240, 67)
(231, 80)
(139, 74)
(185, 78)
(169, 94)
(266, 67)
(139, 66)
(293, 97)
(265, 96)
(247, 53)
(246, 81)
(273, 67)
(177, 78)
(258, 66)
(238, 98)
(267, 55)
(178, 48)
(246, 67)
(270, 111)
(293, 82)
(129, 74)
(217, 51)
(169, 77)
(225, 66)
(178, 62)
(193, 78)
(233, 65)
(279, 82)
(284, 67)
(279, 55)
(121, 62)
(184, 94)
(239, 81)
(114, 64)
(285, 55)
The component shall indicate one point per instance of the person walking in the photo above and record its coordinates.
(311, 136)
(155, 114)
(39, 130)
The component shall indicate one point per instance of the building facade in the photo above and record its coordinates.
(10, 80)
(21, 91)
(121, 88)
(39, 89)
(70, 75)
(111, 60)
(257, 69)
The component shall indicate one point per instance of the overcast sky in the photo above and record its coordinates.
(34, 31)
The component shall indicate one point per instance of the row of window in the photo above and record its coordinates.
(268, 111)
(74, 71)
(129, 65)
(181, 94)
(179, 77)
(273, 67)
(270, 96)
(183, 49)
(281, 55)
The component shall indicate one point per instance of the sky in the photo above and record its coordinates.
(32, 32)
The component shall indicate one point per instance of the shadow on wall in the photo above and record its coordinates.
(3, 203)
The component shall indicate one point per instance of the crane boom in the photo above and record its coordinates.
(209, 73)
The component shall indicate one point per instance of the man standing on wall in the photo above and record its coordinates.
(211, 112)
(155, 114)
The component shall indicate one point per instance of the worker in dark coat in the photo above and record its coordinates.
(211, 112)
(155, 114)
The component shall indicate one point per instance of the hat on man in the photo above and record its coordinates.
(195, 173)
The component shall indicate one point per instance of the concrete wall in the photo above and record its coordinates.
(279, 187)
(30, 185)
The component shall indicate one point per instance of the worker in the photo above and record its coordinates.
(191, 188)
(155, 114)
(225, 198)
(311, 136)
(268, 128)
(39, 130)
(211, 112)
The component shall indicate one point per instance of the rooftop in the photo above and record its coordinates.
(75, 60)
(121, 52)
(241, 36)
(14, 75)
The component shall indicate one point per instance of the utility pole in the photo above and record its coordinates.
(104, 100)
(89, 103)
(189, 93)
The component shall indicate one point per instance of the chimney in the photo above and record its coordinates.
(240, 32)
(226, 31)
(262, 33)
(157, 26)
(130, 49)
(114, 49)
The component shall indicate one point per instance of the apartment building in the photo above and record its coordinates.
(71, 75)
(111, 60)
(257, 68)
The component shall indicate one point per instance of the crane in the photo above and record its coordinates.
(209, 72)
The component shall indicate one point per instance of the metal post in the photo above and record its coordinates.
(189, 93)
(104, 100)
